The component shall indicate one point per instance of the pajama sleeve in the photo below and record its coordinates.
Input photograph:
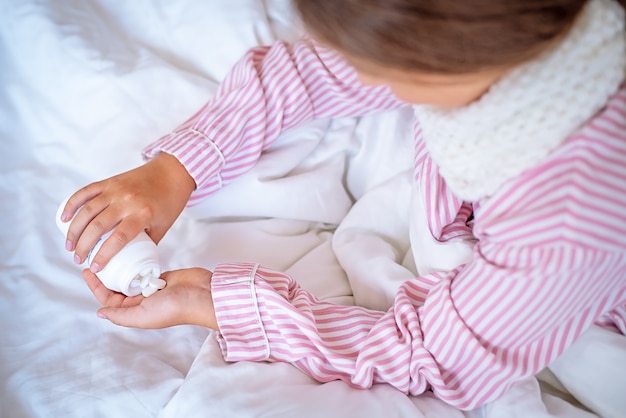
(547, 264)
(271, 89)
(468, 335)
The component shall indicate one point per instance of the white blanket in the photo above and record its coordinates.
(85, 86)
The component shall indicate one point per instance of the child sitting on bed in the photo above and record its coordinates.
(520, 140)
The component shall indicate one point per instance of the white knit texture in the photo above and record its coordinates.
(532, 110)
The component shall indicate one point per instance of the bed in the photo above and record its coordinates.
(85, 86)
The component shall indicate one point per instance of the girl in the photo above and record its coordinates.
(520, 140)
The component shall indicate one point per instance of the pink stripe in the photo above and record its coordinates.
(545, 267)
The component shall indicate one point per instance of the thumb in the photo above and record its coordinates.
(131, 317)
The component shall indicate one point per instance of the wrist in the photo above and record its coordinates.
(204, 313)
(177, 172)
(199, 301)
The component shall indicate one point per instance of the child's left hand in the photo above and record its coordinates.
(186, 299)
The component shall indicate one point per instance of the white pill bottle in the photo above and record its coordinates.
(133, 271)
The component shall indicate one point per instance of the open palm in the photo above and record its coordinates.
(186, 299)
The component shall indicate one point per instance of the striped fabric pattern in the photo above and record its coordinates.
(550, 258)
(271, 89)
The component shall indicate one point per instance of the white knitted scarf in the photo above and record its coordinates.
(531, 110)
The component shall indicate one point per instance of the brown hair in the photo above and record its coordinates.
(439, 36)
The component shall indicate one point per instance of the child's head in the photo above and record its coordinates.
(443, 52)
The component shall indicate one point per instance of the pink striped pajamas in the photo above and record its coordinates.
(550, 257)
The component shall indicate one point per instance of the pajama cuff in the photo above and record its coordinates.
(239, 311)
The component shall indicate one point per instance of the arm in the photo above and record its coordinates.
(468, 335)
(546, 266)
(270, 90)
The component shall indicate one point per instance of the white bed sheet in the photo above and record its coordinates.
(85, 85)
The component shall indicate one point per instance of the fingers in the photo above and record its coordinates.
(123, 233)
(117, 308)
(97, 218)
(105, 296)
(72, 206)
(91, 222)
(79, 198)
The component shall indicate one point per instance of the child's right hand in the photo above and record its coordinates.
(149, 197)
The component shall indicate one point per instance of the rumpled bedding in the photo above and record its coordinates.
(86, 84)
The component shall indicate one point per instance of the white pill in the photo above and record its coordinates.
(148, 291)
(157, 283)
